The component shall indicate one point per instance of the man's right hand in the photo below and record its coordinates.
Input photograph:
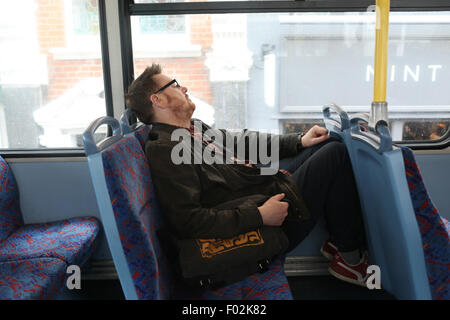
(274, 211)
(314, 136)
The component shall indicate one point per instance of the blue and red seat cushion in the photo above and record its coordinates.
(270, 285)
(137, 217)
(34, 278)
(33, 258)
(10, 216)
(142, 134)
(71, 240)
(435, 230)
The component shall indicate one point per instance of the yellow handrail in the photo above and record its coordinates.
(381, 50)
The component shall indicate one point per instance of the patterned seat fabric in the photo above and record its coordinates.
(10, 218)
(70, 240)
(271, 284)
(36, 278)
(27, 250)
(435, 230)
(141, 134)
(139, 218)
(136, 213)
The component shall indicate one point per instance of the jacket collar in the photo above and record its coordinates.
(164, 130)
(169, 128)
(161, 126)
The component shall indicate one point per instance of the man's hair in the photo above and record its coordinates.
(138, 96)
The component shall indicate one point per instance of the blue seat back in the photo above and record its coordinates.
(393, 236)
(10, 215)
(130, 216)
(130, 126)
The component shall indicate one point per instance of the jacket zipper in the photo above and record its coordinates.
(289, 188)
(292, 193)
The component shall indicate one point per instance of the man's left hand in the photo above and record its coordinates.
(314, 136)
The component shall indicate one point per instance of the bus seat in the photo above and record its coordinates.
(435, 230)
(71, 241)
(246, 289)
(393, 237)
(131, 218)
(11, 217)
(130, 125)
(31, 278)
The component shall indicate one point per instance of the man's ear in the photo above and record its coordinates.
(157, 102)
(154, 99)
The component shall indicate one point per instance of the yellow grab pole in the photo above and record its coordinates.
(381, 50)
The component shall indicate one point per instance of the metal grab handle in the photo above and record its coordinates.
(90, 146)
(345, 122)
(382, 129)
(354, 120)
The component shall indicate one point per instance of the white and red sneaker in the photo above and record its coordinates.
(328, 250)
(356, 274)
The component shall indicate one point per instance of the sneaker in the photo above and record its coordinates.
(328, 250)
(356, 274)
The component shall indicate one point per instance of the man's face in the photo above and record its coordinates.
(174, 97)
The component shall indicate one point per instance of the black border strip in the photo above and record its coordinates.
(105, 62)
(171, 8)
(42, 153)
(105, 58)
(126, 43)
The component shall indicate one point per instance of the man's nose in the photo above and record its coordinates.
(184, 89)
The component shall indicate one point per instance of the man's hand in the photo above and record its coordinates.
(314, 136)
(274, 211)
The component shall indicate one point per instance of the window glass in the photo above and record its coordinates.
(275, 71)
(425, 130)
(162, 24)
(85, 17)
(51, 79)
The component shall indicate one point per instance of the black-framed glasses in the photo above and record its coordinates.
(167, 85)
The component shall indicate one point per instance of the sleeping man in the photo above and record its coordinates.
(317, 180)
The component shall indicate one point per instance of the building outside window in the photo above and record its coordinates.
(52, 85)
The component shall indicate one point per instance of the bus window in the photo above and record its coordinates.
(425, 130)
(275, 71)
(51, 78)
(292, 127)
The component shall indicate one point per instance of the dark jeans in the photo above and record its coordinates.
(325, 178)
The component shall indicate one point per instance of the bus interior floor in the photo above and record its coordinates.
(303, 288)
(95, 290)
(327, 287)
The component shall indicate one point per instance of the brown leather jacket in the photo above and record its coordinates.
(188, 193)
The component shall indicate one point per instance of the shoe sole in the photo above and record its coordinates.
(349, 280)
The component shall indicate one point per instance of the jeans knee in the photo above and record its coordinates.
(338, 147)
